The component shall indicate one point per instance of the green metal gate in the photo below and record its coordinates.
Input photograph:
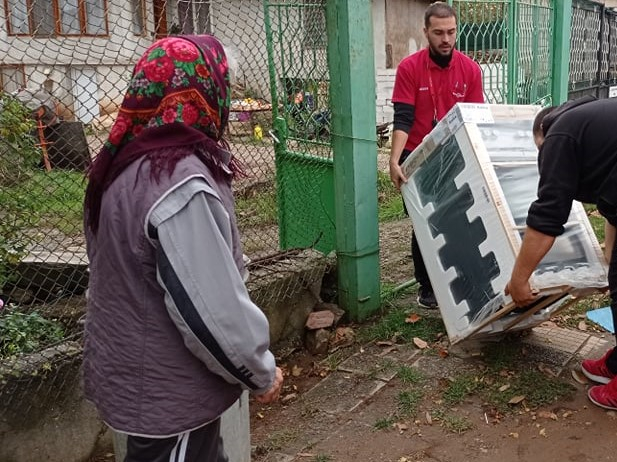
(512, 42)
(299, 82)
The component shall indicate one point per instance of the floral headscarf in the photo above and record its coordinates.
(177, 104)
(177, 80)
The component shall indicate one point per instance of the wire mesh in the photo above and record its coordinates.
(64, 68)
(63, 72)
(511, 40)
(483, 35)
(300, 94)
(593, 49)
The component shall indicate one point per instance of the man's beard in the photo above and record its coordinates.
(438, 52)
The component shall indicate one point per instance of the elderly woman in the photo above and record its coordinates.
(171, 336)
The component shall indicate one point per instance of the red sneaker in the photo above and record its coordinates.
(596, 370)
(604, 395)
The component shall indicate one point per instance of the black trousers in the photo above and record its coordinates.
(203, 444)
(419, 267)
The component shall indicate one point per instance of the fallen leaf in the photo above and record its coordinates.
(429, 419)
(546, 370)
(412, 318)
(260, 415)
(288, 397)
(385, 343)
(514, 435)
(516, 399)
(582, 325)
(547, 415)
(504, 387)
(566, 414)
(296, 371)
(420, 343)
(543, 432)
(401, 427)
(443, 352)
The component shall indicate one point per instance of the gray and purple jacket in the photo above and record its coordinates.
(171, 335)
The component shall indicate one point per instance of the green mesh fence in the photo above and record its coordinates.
(511, 40)
(593, 50)
(63, 72)
(298, 68)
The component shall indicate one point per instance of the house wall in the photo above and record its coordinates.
(398, 32)
(52, 62)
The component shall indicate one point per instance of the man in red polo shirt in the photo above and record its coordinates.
(428, 83)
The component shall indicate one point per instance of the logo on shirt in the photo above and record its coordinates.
(423, 89)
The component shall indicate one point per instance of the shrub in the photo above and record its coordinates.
(18, 158)
(18, 151)
(26, 332)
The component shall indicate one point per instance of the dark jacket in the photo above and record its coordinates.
(577, 161)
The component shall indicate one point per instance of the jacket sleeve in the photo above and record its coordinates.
(558, 165)
(475, 94)
(204, 292)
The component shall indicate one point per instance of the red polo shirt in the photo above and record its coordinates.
(433, 90)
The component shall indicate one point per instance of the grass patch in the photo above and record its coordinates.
(257, 210)
(409, 375)
(502, 355)
(384, 424)
(408, 402)
(596, 220)
(391, 292)
(461, 387)
(389, 199)
(392, 325)
(576, 312)
(322, 458)
(537, 389)
(456, 424)
(54, 199)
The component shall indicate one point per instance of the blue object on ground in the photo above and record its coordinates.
(602, 317)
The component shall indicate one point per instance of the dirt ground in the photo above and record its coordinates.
(321, 423)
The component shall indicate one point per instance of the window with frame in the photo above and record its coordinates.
(50, 18)
(139, 17)
(189, 17)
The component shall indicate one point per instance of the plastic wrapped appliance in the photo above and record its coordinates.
(471, 182)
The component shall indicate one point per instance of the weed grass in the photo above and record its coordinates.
(54, 199)
(384, 424)
(392, 326)
(408, 402)
(389, 198)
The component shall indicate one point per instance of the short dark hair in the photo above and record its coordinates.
(537, 122)
(440, 10)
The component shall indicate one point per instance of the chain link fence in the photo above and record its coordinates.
(593, 50)
(64, 68)
(511, 40)
(63, 72)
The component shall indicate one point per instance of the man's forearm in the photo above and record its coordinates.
(399, 139)
(533, 249)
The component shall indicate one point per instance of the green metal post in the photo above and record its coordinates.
(562, 14)
(512, 42)
(352, 102)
